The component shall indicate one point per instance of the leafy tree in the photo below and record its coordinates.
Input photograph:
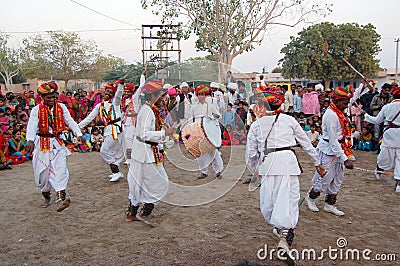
(227, 28)
(9, 63)
(103, 65)
(132, 72)
(59, 55)
(317, 51)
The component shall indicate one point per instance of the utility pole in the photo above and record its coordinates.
(397, 58)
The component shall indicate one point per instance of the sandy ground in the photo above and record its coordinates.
(224, 228)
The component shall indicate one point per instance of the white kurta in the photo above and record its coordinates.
(148, 182)
(129, 128)
(50, 168)
(111, 150)
(280, 190)
(214, 158)
(389, 157)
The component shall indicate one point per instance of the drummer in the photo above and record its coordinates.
(198, 110)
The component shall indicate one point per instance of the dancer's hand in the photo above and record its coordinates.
(30, 146)
(348, 164)
(321, 170)
(170, 131)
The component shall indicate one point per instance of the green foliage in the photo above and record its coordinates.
(317, 51)
(133, 70)
(60, 55)
(9, 63)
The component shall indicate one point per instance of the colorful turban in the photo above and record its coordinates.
(129, 87)
(202, 89)
(274, 97)
(47, 88)
(395, 92)
(341, 93)
(111, 86)
(152, 87)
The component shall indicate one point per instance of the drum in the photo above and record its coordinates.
(201, 136)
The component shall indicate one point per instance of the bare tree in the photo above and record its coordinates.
(9, 59)
(227, 28)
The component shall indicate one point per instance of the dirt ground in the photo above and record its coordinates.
(225, 227)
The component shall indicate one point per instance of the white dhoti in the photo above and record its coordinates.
(388, 159)
(214, 158)
(148, 182)
(111, 150)
(279, 200)
(333, 179)
(50, 169)
(129, 135)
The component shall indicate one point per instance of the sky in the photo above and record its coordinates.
(25, 18)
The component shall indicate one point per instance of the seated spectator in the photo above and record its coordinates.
(226, 136)
(4, 120)
(86, 135)
(68, 138)
(239, 135)
(96, 139)
(365, 140)
(16, 146)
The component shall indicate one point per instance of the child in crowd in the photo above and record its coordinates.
(229, 117)
(226, 137)
(96, 139)
(313, 135)
(365, 140)
(4, 120)
(68, 138)
(239, 135)
(86, 135)
(16, 146)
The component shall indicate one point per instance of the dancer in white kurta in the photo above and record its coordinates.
(198, 110)
(389, 156)
(47, 121)
(130, 108)
(147, 179)
(269, 155)
(334, 151)
(109, 109)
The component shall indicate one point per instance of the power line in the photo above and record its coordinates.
(45, 31)
(104, 15)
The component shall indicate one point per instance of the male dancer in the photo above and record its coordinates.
(389, 156)
(47, 121)
(334, 151)
(270, 156)
(130, 107)
(198, 110)
(110, 112)
(147, 179)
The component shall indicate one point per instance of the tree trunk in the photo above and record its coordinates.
(327, 83)
(224, 65)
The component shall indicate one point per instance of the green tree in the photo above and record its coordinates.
(9, 63)
(317, 51)
(227, 28)
(59, 55)
(103, 65)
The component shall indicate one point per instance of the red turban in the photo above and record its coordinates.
(341, 93)
(47, 88)
(395, 92)
(202, 89)
(129, 87)
(111, 87)
(152, 87)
